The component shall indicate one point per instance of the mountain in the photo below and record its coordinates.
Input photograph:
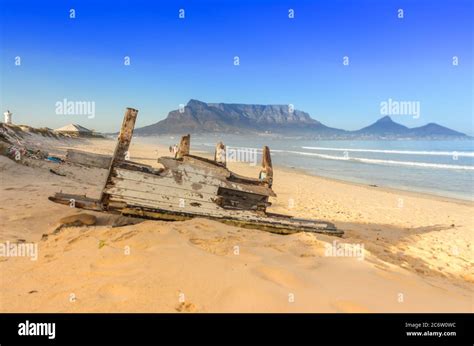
(386, 128)
(201, 117)
(383, 127)
(433, 129)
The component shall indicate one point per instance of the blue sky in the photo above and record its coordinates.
(282, 60)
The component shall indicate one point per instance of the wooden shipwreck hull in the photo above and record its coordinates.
(190, 186)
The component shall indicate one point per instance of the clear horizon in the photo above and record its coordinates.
(282, 60)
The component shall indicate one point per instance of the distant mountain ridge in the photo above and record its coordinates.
(200, 117)
(386, 127)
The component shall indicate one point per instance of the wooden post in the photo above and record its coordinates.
(266, 174)
(125, 135)
(220, 154)
(123, 144)
(184, 146)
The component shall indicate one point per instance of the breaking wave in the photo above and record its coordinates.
(405, 152)
(378, 161)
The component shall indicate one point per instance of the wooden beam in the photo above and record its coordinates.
(184, 146)
(266, 174)
(123, 144)
(125, 135)
(220, 154)
(76, 201)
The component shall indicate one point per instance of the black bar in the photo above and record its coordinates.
(218, 329)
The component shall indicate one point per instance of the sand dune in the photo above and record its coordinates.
(417, 255)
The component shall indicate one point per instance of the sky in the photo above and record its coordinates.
(282, 60)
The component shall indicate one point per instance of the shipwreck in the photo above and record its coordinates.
(187, 186)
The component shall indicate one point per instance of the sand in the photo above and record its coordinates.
(417, 251)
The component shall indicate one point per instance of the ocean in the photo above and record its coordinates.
(443, 168)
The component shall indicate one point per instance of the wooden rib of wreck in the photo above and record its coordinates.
(190, 186)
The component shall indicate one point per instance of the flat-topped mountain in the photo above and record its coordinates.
(200, 117)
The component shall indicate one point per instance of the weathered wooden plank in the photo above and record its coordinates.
(88, 159)
(184, 174)
(188, 173)
(184, 146)
(191, 164)
(154, 214)
(233, 199)
(209, 166)
(266, 174)
(220, 154)
(136, 166)
(183, 214)
(187, 197)
(206, 169)
(275, 227)
(123, 143)
(166, 186)
(245, 180)
(259, 190)
(271, 222)
(174, 206)
(280, 224)
(125, 135)
(76, 201)
(164, 202)
(151, 212)
(195, 211)
(191, 182)
(92, 204)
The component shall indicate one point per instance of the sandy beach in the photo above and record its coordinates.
(417, 253)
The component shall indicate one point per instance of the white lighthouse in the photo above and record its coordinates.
(8, 117)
